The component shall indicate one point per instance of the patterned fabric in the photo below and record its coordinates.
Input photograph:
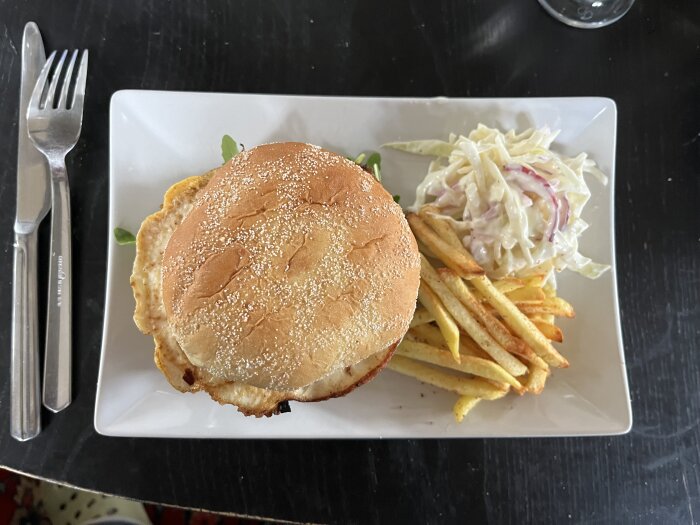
(160, 515)
(17, 501)
(22, 502)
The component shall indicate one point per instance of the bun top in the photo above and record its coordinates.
(292, 263)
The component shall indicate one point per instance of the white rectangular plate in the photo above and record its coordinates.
(158, 138)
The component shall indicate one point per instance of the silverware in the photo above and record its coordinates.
(54, 122)
(32, 206)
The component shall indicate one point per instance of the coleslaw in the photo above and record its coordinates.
(515, 203)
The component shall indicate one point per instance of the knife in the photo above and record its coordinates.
(33, 199)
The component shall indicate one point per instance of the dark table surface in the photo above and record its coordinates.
(649, 63)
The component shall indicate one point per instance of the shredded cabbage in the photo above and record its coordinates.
(515, 203)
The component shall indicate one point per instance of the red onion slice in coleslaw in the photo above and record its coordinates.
(531, 181)
(564, 213)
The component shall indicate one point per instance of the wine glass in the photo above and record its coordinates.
(587, 14)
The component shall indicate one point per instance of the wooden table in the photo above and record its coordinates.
(648, 62)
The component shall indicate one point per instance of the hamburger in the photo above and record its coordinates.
(289, 273)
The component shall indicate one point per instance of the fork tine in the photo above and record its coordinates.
(54, 81)
(80, 82)
(40, 86)
(63, 98)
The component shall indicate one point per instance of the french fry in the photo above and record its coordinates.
(551, 305)
(527, 294)
(543, 311)
(447, 325)
(508, 284)
(467, 322)
(519, 323)
(550, 331)
(458, 260)
(467, 346)
(541, 318)
(536, 281)
(431, 215)
(462, 407)
(429, 334)
(421, 316)
(425, 250)
(461, 385)
(536, 380)
(469, 365)
(494, 327)
(561, 303)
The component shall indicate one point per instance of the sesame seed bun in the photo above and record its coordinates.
(287, 274)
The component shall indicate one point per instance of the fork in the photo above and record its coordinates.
(53, 123)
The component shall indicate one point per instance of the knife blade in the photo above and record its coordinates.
(33, 200)
(33, 190)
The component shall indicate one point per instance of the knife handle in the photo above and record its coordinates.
(57, 357)
(25, 422)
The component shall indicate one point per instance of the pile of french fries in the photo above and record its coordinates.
(473, 336)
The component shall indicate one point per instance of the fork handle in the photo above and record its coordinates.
(57, 357)
(25, 420)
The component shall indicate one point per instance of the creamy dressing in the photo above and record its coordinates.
(515, 203)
